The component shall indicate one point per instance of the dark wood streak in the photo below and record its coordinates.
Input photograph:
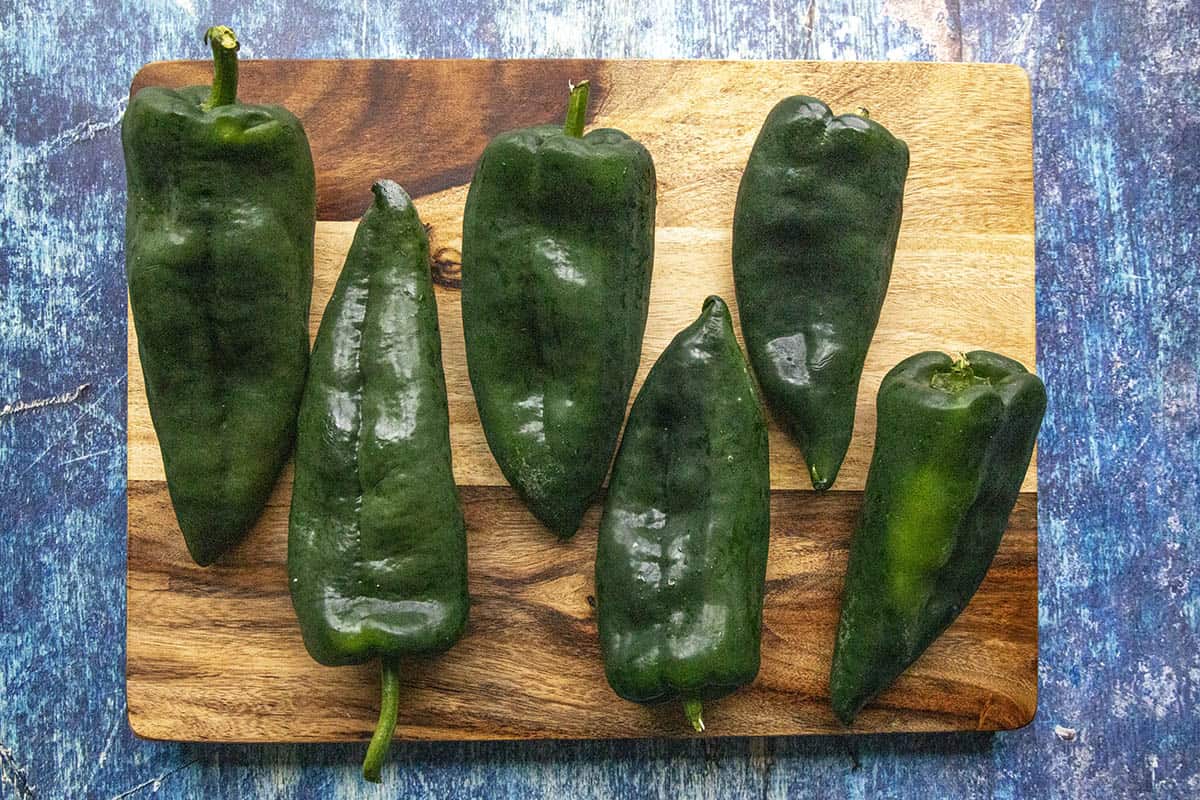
(356, 142)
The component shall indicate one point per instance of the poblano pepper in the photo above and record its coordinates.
(814, 231)
(682, 552)
(558, 243)
(219, 254)
(377, 548)
(952, 446)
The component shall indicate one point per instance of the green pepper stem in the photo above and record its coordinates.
(386, 729)
(692, 709)
(577, 109)
(958, 378)
(225, 66)
(818, 480)
(863, 112)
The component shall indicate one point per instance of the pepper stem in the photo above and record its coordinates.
(386, 728)
(818, 480)
(692, 709)
(577, 109)
(959, 377)
(225, 66)
(863, 112)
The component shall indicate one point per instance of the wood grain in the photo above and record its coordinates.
(215, 654)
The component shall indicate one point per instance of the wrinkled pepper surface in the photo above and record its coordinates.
(219, 248)
(377, 549)
(953, 443)
(558, 244)
(682, 554)
(814, 231)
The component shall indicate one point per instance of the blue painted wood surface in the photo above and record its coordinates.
(1116, 87)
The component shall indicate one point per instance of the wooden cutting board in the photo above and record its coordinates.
(214, 654)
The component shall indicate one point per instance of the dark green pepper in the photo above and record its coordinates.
(558, 244)
(219, 253)
(952, 446)
(682, 553)
(814, 231)
(377, 548)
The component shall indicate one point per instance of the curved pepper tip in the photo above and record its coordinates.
(203, 556)
(208, 542)
(564, 524)
(845, 705)
(715, 308)
(844, 714)
(389, 193)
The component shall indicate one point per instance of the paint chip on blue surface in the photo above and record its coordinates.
(1065, 733)
(54, 400)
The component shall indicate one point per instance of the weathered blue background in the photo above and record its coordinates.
(1116, 87)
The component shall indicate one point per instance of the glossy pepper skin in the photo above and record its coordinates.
(377, 548)
(682, 553)
(953, 443)
(219, 255)
(558, 243)
(814, 231)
